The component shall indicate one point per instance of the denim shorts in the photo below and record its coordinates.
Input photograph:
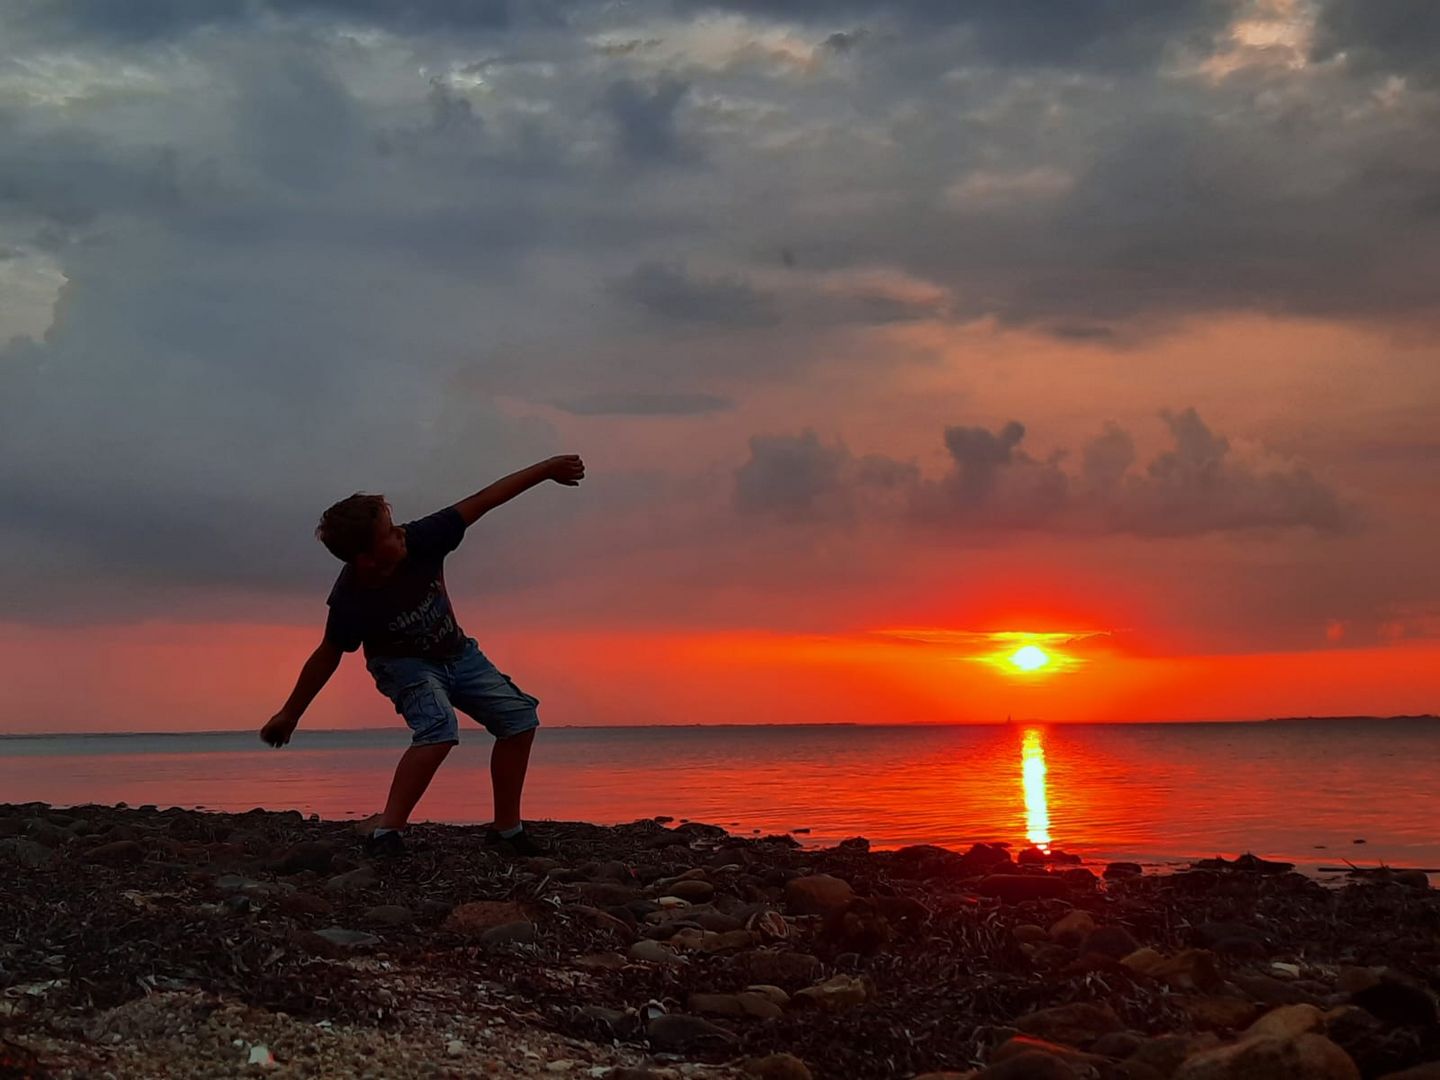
(427, 693)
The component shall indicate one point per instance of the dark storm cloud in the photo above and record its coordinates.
(139, 21)
(643, 403)
(671, 291)
(1020, 32)
(644, 116)
(1198, 486)
(283, 241)
(1399, 37)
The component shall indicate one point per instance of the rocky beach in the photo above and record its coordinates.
(176, 943)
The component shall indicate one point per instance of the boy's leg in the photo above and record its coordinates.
(509, 760)
(412, 776)
(508, 713)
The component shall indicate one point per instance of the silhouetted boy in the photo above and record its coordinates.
(390, 598)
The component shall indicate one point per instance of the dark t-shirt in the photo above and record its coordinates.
(409, 613)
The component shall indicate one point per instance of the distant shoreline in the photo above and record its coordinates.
(1418, 718)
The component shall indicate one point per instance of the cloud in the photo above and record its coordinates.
(671, 291)
(1198, 486)
(645, 119)
(798, 477)
(643, 403)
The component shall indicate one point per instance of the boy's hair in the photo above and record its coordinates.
(348, 527)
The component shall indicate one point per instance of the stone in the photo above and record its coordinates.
(1428, 1071)
(455, 1048)
(1287, 1022)
(1118, 1044)
(1031, 1065)
(1112, 941)
(1118, 870)
(601, 920)
(777, 1067)
(818, 894)
(1193, 969)
(1077, 1024)
(1018, 888)
(681, 1032)
(347, 939)
(653, 952)
(1309, 1057)
(759, 1006)
(770, 993)
(1029, 933)
(362, 877)
(1026, 1044)
(716, 1005)
(311, 855)
(695, 891)
(1397, 1002)
(1212, 1012)
(19, 851)
(836, 992)
(1073, 928)
(1142, 961)
(1268, 990)
(478, 916)
(728, 941)
(779, 968)
(1166, 1053)
(117, 853)
(519, 932)
(388, 915)
(606, 893)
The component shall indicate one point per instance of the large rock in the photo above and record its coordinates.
(478, 916)
(117, 853)
(818, 894)
(1211, 1012)
(836, 992)
(1073, 928)
(1112, 941)
(1193, 969)
(1398, 1002)
(1017, 888)
(1027, 1044)
(1309, 1057)
(1287, 1022)
(777, 1067)
(1078, 1024)
(313, 855)
(1031, 1065)
(19, 851)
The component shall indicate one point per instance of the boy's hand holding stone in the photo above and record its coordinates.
(565, 469)
(279, 728)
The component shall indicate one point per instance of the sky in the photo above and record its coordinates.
(894, 334)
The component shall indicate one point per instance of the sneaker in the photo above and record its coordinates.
(521, 844)
(386, 846)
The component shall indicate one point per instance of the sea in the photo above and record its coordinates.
(1324, 793)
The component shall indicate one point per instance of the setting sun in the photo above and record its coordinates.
(1029, 658)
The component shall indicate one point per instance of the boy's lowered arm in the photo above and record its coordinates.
(313, 677)
(565, 469)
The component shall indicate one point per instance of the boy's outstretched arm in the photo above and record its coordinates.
(314, 675)
(566, 469)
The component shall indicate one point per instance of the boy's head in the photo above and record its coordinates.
(359, 530)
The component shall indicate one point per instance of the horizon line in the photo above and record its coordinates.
(723, 726)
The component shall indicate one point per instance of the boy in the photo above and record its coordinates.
(390, 598)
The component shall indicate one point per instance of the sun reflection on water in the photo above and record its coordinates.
(1032, 777)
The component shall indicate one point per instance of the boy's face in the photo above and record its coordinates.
(388, 547)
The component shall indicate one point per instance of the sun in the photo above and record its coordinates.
(1029, 658)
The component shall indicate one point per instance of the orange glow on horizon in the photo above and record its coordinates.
(1032, 778)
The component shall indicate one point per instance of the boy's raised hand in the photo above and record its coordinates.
(279, 728)
(565, 469)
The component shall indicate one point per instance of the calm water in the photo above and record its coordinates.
(1156, 792)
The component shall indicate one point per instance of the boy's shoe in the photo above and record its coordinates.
(521, 844)
(388, 845)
